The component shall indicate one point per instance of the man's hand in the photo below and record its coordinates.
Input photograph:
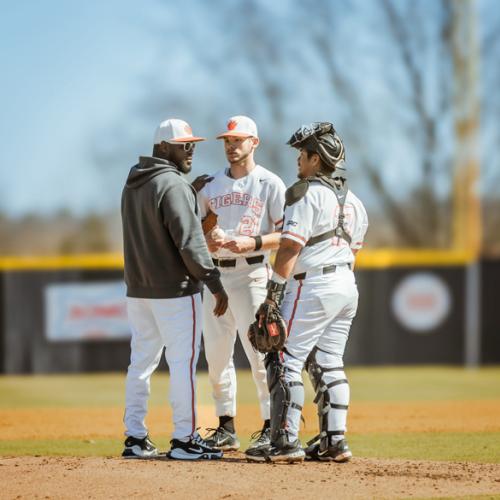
(220, 303)
(214, 239)
(201, 181)
(241, 244)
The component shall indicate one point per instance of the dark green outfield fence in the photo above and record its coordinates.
(67, 314)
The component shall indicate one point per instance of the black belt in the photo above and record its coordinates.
(232, 262)
(326, 270)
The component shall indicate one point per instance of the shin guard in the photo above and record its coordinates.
(284, 397)
(324, 382)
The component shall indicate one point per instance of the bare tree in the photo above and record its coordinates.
(275, 61)
(406, 41)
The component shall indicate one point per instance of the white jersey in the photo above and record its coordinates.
(249, 206)
(316, 213)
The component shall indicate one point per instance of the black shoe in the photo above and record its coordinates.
(338, 452)
(312, 451)
(290, 453)
(222, 439)
(194, 449)
(261, 439)
(325, 449)
(139, 448)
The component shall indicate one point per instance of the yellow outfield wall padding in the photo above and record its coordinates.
(366, 259)
(42, 263)
(384, 258)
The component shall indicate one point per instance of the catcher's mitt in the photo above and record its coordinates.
(209, 222)
(268, 333)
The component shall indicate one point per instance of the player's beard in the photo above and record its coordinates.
(186, 165)
(241, 159)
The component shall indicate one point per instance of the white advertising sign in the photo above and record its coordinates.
(86, 311)
(421, 302)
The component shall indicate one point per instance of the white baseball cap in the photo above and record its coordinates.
(239, 126)
(174, 130)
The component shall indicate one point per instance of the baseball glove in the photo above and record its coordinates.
(209, 222)
(268, 333)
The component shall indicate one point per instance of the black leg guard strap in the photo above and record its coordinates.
(323, 397)
(339, 407)
(324, 388)
(281, 396)
(324, 434)
(326, 408)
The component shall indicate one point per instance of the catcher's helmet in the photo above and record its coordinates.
(321, 138)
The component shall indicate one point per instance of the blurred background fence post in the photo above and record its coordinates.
(467, 220)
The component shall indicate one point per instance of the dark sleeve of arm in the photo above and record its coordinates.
(178, 208)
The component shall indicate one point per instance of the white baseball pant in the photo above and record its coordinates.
(246, 288)
(173, 324)
(319, 312)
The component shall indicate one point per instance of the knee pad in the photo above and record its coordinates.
(324, 393)
(283, 395)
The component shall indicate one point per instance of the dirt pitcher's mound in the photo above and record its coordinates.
(234, 478)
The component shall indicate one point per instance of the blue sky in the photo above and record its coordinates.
(79, 85)
(74, 74)
(68, 69)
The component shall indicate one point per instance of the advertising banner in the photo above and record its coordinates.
(85, 311)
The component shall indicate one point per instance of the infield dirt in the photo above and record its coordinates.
(234, 478)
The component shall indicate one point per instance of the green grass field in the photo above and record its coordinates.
(377, 385)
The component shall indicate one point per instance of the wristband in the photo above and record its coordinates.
(277, 278)
(258, 242)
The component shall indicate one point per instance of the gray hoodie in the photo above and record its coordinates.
(165, 251)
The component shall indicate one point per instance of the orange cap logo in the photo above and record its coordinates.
(231, 124)
(188, 130)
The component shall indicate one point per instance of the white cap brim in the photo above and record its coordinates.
(187, 139)
(234, 134)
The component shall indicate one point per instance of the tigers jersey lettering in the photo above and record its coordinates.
(250, 206)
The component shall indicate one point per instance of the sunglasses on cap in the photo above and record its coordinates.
(187, 146)
(311, 130)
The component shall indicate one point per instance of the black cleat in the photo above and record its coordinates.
(290, 453)
(194, 449)
(222, 439)
(261, 439)
(139, 448)
(337, 452)
(312, 451)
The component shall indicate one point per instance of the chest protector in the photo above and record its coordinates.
(339, 186)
